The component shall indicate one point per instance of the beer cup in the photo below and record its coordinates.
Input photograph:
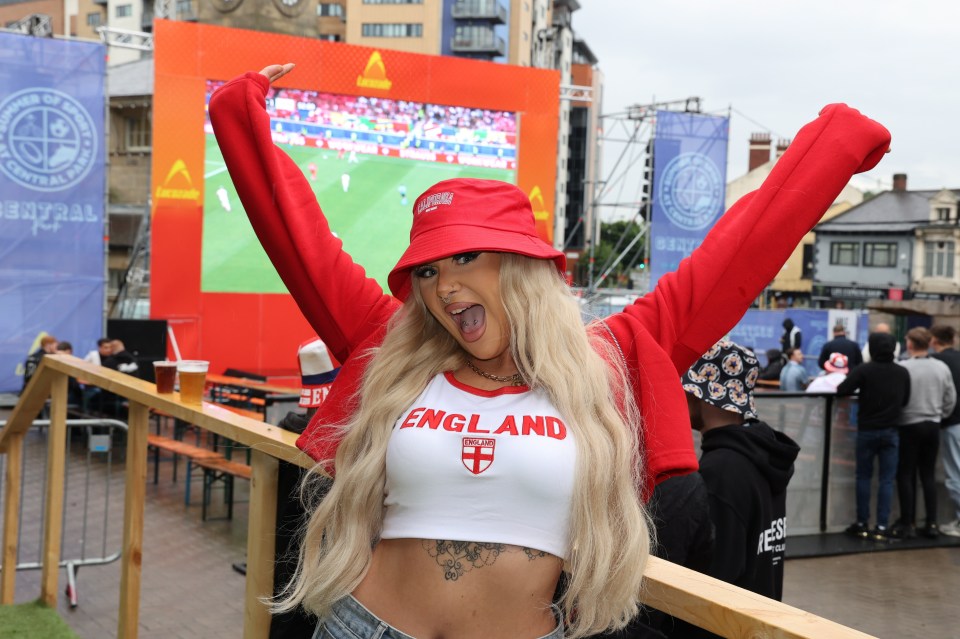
(193, 377)
(166, 375)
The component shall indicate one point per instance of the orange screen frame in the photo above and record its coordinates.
(261, 332)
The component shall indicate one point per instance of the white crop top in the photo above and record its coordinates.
(466, 464)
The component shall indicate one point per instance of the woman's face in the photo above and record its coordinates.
(473, 312)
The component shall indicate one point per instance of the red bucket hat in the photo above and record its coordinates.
(466, 214)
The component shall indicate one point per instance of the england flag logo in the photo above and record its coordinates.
(477, 454)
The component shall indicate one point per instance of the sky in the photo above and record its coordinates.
(773, 64)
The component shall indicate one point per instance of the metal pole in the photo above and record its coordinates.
(825, 474)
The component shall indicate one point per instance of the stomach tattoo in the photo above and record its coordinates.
(457, 558)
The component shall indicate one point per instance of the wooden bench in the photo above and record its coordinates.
(216, 466)
(193, 454)
(221, 469)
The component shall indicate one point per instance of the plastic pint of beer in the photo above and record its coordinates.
(166, 375)
(193, 376)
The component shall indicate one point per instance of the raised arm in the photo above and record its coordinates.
(691, 308)
(342, 304)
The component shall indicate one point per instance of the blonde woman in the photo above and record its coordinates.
(483, 441)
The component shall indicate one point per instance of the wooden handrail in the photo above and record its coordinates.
(722, 608)
(270, 439)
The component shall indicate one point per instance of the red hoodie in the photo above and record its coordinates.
(660, 335)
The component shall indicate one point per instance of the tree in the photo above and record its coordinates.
(614, 238)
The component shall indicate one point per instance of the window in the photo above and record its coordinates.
(943, 214)
(94, 19)
(137, 130)
(844, 253)
(388, 30)
(124, 10)
(474, 34)
(330, 9)
(184, 8)
(938, 259)
(807, 270)
(880, 254)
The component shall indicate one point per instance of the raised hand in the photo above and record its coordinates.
(274, 72)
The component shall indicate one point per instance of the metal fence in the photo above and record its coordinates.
(821, 496)
(93, 491)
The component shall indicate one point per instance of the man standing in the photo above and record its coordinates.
(882, 327)
(794, 376)
(746, 466)
(843, 345)
(932, 398)
(884, 391)
(791, 338)
(942, 340)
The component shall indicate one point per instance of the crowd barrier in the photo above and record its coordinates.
(706, 602)
(87, 535)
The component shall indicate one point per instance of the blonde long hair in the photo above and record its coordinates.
(609, 531)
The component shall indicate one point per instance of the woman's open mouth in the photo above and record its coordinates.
(469, 318)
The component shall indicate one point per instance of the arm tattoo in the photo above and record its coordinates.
(459, 557)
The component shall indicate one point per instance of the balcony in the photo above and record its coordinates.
(480, 10)
(485, 43)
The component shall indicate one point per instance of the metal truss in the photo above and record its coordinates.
(114, 37)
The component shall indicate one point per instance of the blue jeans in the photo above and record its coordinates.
(950, 451)
(350, 620)
(883, 444)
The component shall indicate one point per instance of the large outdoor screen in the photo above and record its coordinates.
(370, 128)
(366, 158)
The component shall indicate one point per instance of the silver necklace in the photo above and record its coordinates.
(515, 380)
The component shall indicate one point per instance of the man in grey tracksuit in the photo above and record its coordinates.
(932, 398)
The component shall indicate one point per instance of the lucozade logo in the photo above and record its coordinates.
(541, 215)
(178, 185)
(540, 211)
(374, 75)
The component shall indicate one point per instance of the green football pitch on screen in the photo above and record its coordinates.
(370, 210)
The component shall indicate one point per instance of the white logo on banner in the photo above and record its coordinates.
(48, 140)
(691, 191)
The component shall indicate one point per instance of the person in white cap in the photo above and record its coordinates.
(318, 369)
(484, 442)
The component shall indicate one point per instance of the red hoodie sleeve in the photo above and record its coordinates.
(663, 333)
(693, 307)
(342, 304)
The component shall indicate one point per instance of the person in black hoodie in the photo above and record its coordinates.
(775, 363)
(746, 466)
(884, 391)
(792, 337)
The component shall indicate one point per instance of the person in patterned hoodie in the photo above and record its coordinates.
(746, 466)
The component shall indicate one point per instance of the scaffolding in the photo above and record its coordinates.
(632, 131)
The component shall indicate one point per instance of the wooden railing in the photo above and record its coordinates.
(709, 603)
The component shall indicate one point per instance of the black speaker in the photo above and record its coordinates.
(146, 340)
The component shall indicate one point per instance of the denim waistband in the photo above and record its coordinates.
(349, 619)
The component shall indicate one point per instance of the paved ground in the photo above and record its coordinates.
(191, 591)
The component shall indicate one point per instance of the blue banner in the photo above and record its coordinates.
(761, 331)
(689, 185)
(52, 183)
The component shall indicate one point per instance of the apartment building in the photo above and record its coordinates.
(522, 32)
(897, 250)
